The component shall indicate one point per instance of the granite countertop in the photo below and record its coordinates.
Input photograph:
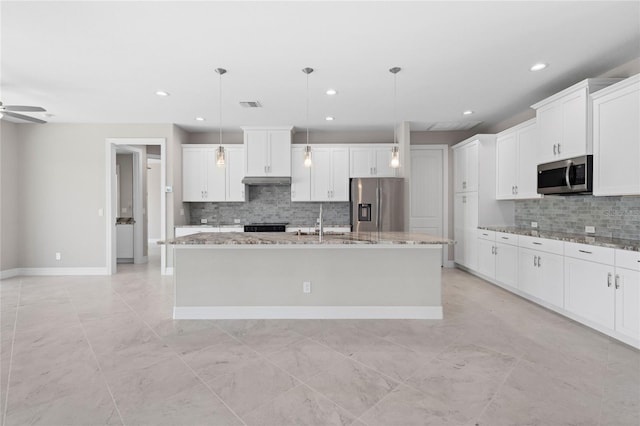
(617, 243)
(279, 238)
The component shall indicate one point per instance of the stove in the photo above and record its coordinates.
(265, 227)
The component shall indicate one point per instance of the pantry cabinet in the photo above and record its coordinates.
(204, 181)
(616, 136)
(564, 121)
(516, 162)
(475, 203)
(372, 160)
(267, 151)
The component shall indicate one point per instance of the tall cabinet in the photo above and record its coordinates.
(475, 204)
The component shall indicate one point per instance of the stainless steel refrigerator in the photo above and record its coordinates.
(377, 204)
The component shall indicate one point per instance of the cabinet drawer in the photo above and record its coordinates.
(486, 235)
(541, 244)
(505, 238)
(591, 253)
(628, 259)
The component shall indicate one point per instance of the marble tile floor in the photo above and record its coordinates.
(104, 350)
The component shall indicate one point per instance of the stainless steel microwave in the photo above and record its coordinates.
(570, 176)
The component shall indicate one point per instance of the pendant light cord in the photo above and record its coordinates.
(220, 105)
(307, 109)
(395, 108)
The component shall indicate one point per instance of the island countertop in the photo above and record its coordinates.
(289, 238)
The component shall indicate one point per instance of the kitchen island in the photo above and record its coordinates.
(286, 275)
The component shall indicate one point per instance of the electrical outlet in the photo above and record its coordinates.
(100, 212)
(181, 212)
(534, 224)
(58, 256)
(306, 287)
(236, 220)
(124, 210)
(590, 229)
(203, 220)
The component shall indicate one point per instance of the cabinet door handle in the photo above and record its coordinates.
(505, 238)
(535, 260)
(537, 243)
(617, 281)
(539, 261)
(554, 149)
(585, 251)
(513, 190)
(609, 279)
(516, 189)
(493, 250)
(558, 149)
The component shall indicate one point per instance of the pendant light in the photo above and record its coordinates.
(395, 150)
(220, 151)
(307, 149)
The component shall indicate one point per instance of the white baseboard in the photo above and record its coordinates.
(9, 273)
(168, 270)
(307, 312)
(141, 259)
(449, 264)
(63, 271)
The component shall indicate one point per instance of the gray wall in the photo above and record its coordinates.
(62, 184)
(9, 211)
(269, 204)
(617, 217)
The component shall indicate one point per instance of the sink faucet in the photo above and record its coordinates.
(321, 231)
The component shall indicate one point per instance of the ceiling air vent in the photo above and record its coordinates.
(250, 104)
(450, 126)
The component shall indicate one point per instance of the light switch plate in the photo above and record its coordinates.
(306, 287)
(203, 220)
(590, 229)
(236, 220)
(534, 224)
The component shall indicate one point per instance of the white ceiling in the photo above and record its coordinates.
(102, 62)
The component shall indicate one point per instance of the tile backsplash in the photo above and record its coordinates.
(269, 204)
(617, 217)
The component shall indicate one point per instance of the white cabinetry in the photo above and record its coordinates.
(602, 287)
(300, 176)
(540, 269)
(516, 162)
(564, 121)
(330, 174)
(498, 257)
(328, 177)
(267, 151)
(475, 197)
(627, 283)
(465, 229)
(616, 136)
(204, 181)
(124, 241)
(371, 161)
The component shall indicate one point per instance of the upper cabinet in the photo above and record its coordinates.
(564, 121)
(267, 151)
(616, 138)
(203, 180)
(371, 161)
(516, 162)
(466, 165)
(328, 177)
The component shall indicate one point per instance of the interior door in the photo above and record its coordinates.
(426, 200)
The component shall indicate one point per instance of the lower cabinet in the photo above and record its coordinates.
(498, 257)
(590, 291)
(487, 254)
(540, 274)
(627, 282)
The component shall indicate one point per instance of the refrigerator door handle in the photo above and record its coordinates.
(378, 210)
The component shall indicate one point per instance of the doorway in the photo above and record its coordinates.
(136, 147)
(428, 193)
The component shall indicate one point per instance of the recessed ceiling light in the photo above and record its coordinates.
(467, 112)
(537, 67)
(329, 118)
(199, 118)
(162, 93)
(331, 92)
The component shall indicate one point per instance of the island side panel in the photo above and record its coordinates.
(218, 281)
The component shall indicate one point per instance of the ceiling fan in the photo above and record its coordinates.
(9, 111)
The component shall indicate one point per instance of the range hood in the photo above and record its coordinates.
(267, 180)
